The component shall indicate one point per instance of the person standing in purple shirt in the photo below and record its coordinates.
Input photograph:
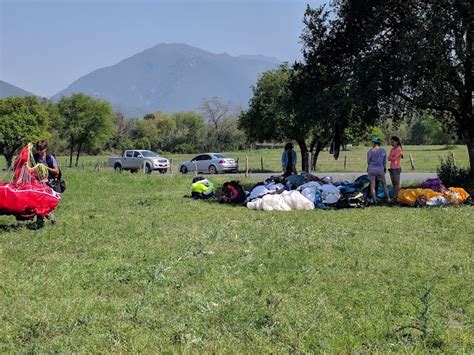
(376, 161)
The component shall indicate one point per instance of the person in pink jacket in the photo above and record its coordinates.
(394, 157)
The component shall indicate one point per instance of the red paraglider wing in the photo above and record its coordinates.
(25, 196)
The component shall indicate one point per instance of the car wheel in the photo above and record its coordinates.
(212, 169)
(183, 170)
(118, 168)
(148, 169)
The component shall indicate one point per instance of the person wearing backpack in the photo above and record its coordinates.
(288, 160)
(41, 156)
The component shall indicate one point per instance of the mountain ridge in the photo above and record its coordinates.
(172, 77)
(7, 89)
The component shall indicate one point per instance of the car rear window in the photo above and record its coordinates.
(220, 156)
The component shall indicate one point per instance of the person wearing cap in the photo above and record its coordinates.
(376, 162)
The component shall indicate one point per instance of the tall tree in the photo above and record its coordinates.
(418, 54)
(271, 114)
(22, 120)
(215, 110)
(86, 122)
(324, 90)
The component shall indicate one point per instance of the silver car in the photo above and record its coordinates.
(212, 163)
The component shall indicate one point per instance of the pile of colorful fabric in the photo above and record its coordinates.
(293, 192)
(432, 193)
(27, 195)
(272, 194)
(306, 191)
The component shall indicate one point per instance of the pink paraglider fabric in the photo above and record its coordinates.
(26, 196)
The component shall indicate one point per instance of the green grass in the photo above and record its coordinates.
(426, 159)
(134, 266)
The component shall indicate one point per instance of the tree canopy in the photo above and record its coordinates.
(417, 54)
(22, 120)
(85, 122)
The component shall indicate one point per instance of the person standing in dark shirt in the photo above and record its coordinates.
(288, 160)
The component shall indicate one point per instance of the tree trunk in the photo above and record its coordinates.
(78, 153)
(470, 151)
(71, 151)
(304, 155)
(319, 147)
(9, 159)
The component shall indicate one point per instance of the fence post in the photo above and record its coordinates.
(345, 161)
(261, 163)
(246, 166)
(454, 158)
(412, 162)
(195, 168)
(171, 165)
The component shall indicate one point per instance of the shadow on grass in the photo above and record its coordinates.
(13, 227)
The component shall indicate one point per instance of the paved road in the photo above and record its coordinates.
(406, 177)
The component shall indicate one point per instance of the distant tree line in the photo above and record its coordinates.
(79, 124)
(212, 128)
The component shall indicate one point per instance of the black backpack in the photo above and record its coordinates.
(232, 192)
(57, 183)
(351, 200)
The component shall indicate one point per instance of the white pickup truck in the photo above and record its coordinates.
(137, 159)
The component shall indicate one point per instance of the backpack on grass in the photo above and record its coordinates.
(232, 192)
(202, 188)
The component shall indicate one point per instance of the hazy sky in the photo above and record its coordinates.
(47, 44)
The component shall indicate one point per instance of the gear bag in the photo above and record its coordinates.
(232, 192)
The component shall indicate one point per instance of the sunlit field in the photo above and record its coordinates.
(134, 265)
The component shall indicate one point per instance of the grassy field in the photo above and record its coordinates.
(426, 159)
(134, 266)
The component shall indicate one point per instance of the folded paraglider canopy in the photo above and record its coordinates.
(27, 195)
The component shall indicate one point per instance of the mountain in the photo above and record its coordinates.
(7, 90)
(171, 78)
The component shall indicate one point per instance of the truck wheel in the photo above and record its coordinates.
(212, 169)
(148, 169)
(183, 170)
(118, 168)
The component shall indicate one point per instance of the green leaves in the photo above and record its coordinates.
(85, 121)
(22, 120)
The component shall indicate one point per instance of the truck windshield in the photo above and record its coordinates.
(148, 154)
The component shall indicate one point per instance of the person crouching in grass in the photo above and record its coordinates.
(376, 161)
(41, 156)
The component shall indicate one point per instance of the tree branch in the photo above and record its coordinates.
(429, 106)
